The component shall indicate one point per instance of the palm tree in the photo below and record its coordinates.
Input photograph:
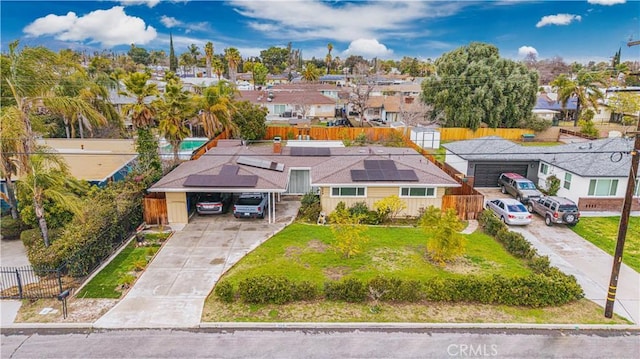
(11, 132)
(49, 180)
(218, 109)
(585, 88)
(173, 112)
(79, 86)
(194, 52)
(328, 58)
(208, 50)
(310, 73)
(233, 59)
(32, 77)
(218, 67)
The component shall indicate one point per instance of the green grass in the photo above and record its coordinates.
(603, 232)
(304, 252)
(123, 268)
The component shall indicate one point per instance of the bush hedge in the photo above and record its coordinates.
(270, 289)
(11, 228)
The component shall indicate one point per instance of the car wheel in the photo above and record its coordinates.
(547, 221)
(518, 199)
(503, 220)
(503, 190)
(569, 218)
(530, 208)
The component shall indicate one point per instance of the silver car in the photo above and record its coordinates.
(510, 211)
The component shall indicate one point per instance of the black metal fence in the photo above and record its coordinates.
(29, 283)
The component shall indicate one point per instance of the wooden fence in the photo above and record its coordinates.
(155, 209)
(467, 206)
(207, 146)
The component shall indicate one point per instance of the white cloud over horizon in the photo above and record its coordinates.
(558, 19)
(110, 27)
(523, 51)
(149, 3)
(606, 2)
(367, 48)
(170, 21)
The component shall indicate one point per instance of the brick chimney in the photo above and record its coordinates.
(277, 145)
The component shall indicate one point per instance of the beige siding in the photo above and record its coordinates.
(375, 194)
(177, 208)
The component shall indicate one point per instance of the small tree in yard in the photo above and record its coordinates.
(389, 207)
(553, 185)
(348, 232)
(446, 243)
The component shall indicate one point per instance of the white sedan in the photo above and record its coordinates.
(510, 211)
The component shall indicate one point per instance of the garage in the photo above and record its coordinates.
(486, 175)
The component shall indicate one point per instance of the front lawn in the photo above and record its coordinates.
(603, 232)
(304, 252)
(123, 270)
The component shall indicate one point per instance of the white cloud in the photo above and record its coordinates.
(606, 2)
(109, 27)
(559, 19)
(523, 51)
(169, 21)
(368, 48)
(149, 3)
(314, 19)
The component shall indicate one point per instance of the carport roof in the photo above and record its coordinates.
(587, 159)
(332, 170)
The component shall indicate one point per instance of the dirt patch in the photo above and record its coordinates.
(292, 252)
(385, 259)
(317, 246)
(335, 273)
(79, 310)
(462, 265)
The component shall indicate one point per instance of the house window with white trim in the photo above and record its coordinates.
(603, 187)
(417, 192)
(567, 180)
(544, 168)
(278, 109)
(348, 191)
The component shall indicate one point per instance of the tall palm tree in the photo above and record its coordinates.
(233, 59)
(32, 77)
(585, 87)
(174, 110)
(208, 50)
(217, 104)
(49, 180)
(310, 73)
(80, 86)
(218, 67)
(328, 58)
(194, 52)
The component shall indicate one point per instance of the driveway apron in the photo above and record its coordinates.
(172, 290)
(589, 264)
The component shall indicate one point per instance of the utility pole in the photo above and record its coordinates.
(624, 223)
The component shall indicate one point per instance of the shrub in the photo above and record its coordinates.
(266, 289)
(139, 265)
(553, 185)
(126, 281)
(350, 290)
(359, 209)
(361, 139)
(515, 244)
(310, 207)
(224, 291)
(490, 223)
(304, 291)
(11, 228)
(396, 290)
(540, 265)
(389, 207)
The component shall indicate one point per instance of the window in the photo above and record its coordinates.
(278, 109)
(544, 168)
(417, 192)
(637, 191)
(347, 191)
(603, 187)
(567, 181)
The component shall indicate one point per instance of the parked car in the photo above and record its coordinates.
(251, 205)
(519, 187)
(555, 210)
(213, 203)
(510, 211)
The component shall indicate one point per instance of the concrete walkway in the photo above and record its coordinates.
(172, 290)
(589, 264)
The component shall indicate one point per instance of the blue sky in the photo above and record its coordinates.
(589, 30)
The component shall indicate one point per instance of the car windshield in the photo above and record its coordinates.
(211, 198)
(516, 208)
(526, 185)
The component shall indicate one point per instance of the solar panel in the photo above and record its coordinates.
(310, 152)
(407, 175)
(228, 180)
(358, 175)
(384, 176)
(379, 165)
(260, 163)
(229, 170)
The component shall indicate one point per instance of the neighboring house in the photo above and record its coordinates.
(394, 108)
(347, 174)
(593, 174)
(548, 107)
(604, 113)
(306, 104)
(404, 89)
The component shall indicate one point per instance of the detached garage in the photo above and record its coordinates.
(486, 158)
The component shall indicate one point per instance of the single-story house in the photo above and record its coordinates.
(347, 174)
(593, 174)
(548, 107)
(306, 104)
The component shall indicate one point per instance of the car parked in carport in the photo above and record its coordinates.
(213, 203)
(510, 211)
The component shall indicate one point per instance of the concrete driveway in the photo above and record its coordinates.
(172, 290)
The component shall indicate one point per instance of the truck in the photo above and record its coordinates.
(251, 205)
(518, 186)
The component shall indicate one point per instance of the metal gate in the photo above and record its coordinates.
(27, 282)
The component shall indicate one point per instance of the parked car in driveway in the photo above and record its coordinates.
(510, 211)
(555, 210)
(250, 205)
(519, 187)
(213, 203)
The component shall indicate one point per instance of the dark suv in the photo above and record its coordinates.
(519, 187)
(555, 210)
